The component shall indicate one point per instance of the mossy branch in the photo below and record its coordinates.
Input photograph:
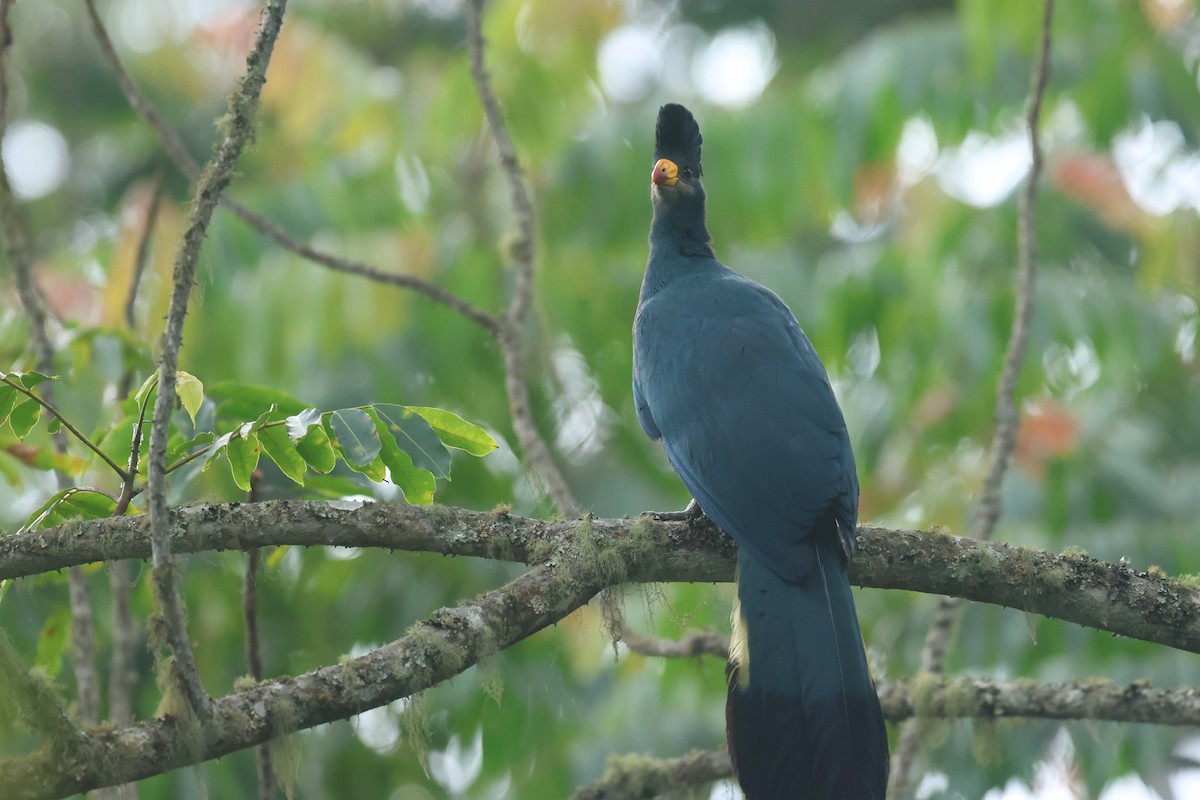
(445, 644)
(1070, 586)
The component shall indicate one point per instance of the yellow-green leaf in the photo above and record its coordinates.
(454, 431)
(191, 393)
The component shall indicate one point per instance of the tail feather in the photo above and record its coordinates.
(802, 715)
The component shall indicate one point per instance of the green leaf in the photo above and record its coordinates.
(8, 400)
(316, 449)
(53, 641)
(376, 470)
(356, 436)
(69, 504)
(457, 432)
(242, 452)
(54, 427)
(240, 401)
(415, 436)
(24, 417)
(416, 483)
(280, 448)
(28, 379)
(142, 395)
(191, 393)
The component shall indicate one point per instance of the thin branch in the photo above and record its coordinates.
(83, 644)
(482, 318)
(537, 452)
(143, 248)
(516, 372)
(243, 103)
(522, 207)
(46, 401)
(1070, 586)
(177, 152)
(941, 629)
(262, 753)
(444, 645)
(124, 675)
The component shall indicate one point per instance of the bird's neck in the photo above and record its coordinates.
(679, 230)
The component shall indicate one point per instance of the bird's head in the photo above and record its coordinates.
(675, 179)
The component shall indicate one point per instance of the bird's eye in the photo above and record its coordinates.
(685, 172)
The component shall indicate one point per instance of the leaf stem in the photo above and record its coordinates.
(66, 423)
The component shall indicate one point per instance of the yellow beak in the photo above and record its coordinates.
(666, 172)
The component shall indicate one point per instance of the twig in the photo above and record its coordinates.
(124, 670)
(262, 758)
(516, 372)
(522, 207)
(537, 452)
(143, 247)
(948, 610)
(83, 644)
(46, 401)
(434, 292)
(243, 102)
(178, 154)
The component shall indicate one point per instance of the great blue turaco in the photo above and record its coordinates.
(725, 377)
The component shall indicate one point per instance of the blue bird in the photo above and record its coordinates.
(725, 377)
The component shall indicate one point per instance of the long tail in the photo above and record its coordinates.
(802, 716)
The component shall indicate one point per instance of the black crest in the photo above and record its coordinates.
(677, 137)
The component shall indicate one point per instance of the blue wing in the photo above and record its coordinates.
(747, 416)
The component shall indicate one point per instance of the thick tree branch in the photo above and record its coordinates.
(932, 696)
(442, 646)
(640, 777)
(1071, 586)
(243, 103)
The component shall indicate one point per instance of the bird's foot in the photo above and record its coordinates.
(690, 514)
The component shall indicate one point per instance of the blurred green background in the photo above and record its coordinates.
(862, 158)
